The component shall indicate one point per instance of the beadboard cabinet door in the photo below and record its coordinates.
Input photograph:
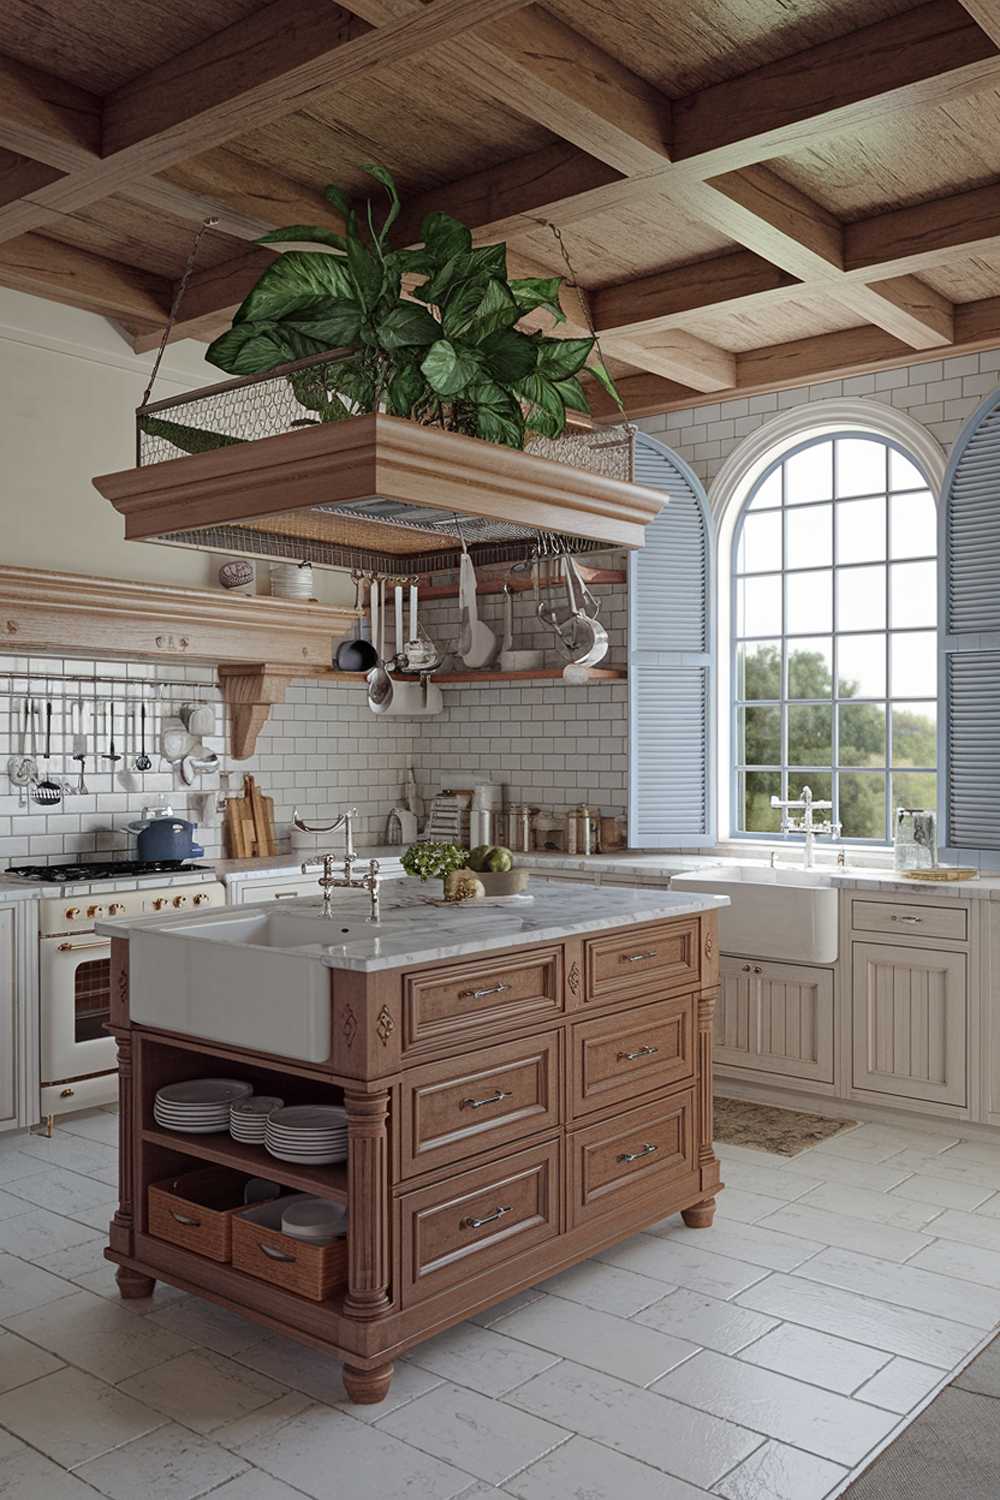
(8, 1022)
(910, 1021)
(775, 1018)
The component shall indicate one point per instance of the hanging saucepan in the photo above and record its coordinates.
(579, 637)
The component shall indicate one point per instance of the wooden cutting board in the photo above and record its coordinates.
(249, 823)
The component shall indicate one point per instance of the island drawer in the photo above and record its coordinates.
(630, 1156)
(455, 1108)
(903, 920)
(643, 960)
(468, 1001)
(478, 1221)
(632, 1052)
(196, 1210)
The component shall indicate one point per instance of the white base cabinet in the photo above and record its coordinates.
(19, 1018)
(775, 1018)
(8, 1022)
(910, 1022)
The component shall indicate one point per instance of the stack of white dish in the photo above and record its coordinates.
(248, 1118)
(200, 1106)
(314, 1220)
(311, 1134)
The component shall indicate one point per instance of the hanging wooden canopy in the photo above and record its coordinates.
(376, 490)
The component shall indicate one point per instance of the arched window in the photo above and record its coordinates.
(833, 627)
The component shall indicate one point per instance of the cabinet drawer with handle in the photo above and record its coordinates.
(630, 1156)
(453, 1109)
(903, 920)
(478, 1221)
(620, 1057)
(468, 1001)
(644, 960)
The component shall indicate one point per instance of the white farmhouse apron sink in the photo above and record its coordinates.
(773, 913)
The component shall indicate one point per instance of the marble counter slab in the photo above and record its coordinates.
(417, 928)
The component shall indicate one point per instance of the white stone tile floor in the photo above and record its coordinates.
(766, 1358)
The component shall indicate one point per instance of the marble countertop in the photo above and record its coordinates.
(418, 928)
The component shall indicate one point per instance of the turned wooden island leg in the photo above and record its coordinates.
(699, 1215)
(134, 1283)
(368, 1258)
(366, 1387)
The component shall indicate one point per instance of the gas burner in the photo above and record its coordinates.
(104, 870)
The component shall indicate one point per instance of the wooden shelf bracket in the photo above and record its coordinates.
(250, 693)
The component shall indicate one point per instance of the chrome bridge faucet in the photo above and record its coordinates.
(805, 825)
(328, 882)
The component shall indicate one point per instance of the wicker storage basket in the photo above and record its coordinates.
(260, 1249)
(196, 1209)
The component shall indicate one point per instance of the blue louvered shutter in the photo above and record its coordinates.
(671, 697)
(969, 733)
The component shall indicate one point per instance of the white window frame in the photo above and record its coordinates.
(728, 495)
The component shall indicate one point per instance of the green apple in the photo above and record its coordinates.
(499, 861)
(477, 856)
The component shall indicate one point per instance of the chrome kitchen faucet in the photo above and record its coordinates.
(329, 882)
(805, 825)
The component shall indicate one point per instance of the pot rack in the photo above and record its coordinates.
(242, 468)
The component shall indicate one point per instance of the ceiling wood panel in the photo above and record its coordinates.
(748, 190)
(97, 45)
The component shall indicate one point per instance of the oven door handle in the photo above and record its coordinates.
(80, 947)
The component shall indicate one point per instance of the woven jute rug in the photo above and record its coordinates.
(762, 1127)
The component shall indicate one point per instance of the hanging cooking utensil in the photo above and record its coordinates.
(21, 769)
(585, 641)
(78, 729)
(358, 654)
(380, 685)
(109, 726)
(142, 760)
(482, 643)
(47, 791)
(422, 655)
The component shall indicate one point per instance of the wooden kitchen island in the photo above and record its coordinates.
(511, 1111)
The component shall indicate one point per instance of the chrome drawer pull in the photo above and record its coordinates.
(490, 1099)
(273, 1254)
(647, 1150)
(495, 989)
(914, 920)
(637, 958)
(183, 1219)
(496, 1214)
(639, 1052)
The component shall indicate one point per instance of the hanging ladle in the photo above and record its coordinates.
(142, 760)
(380, 684)
(47, 792)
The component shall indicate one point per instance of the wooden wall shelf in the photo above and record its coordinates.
(110, 617)
(537, 674)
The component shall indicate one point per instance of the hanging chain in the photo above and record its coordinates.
(182, 287)
(585, 300)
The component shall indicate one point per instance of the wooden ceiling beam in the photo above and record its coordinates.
(244, 90)
(62, 273)
(664, 299)
(921, 57)
(829, 356)
(924, 235)
(48, 119)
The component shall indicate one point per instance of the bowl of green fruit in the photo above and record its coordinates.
(493, 865)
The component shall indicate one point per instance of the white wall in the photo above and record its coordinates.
(69, 386)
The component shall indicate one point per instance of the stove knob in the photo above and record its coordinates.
(72, 912)
(116, 908)
(200, 900)
(95, 911)
(180, 901)
(159, 903)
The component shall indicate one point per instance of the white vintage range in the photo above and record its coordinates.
(74, 965)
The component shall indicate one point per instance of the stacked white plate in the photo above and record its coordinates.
(310, 1134)
(199, 1106)
(248, 1118)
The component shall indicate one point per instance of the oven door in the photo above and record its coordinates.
(75, 987)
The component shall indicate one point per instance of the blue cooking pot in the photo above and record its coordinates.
(165, 838)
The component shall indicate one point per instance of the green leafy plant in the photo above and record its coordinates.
(433, 860)
(449, 353)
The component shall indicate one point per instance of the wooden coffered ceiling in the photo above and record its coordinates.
(753, 193)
